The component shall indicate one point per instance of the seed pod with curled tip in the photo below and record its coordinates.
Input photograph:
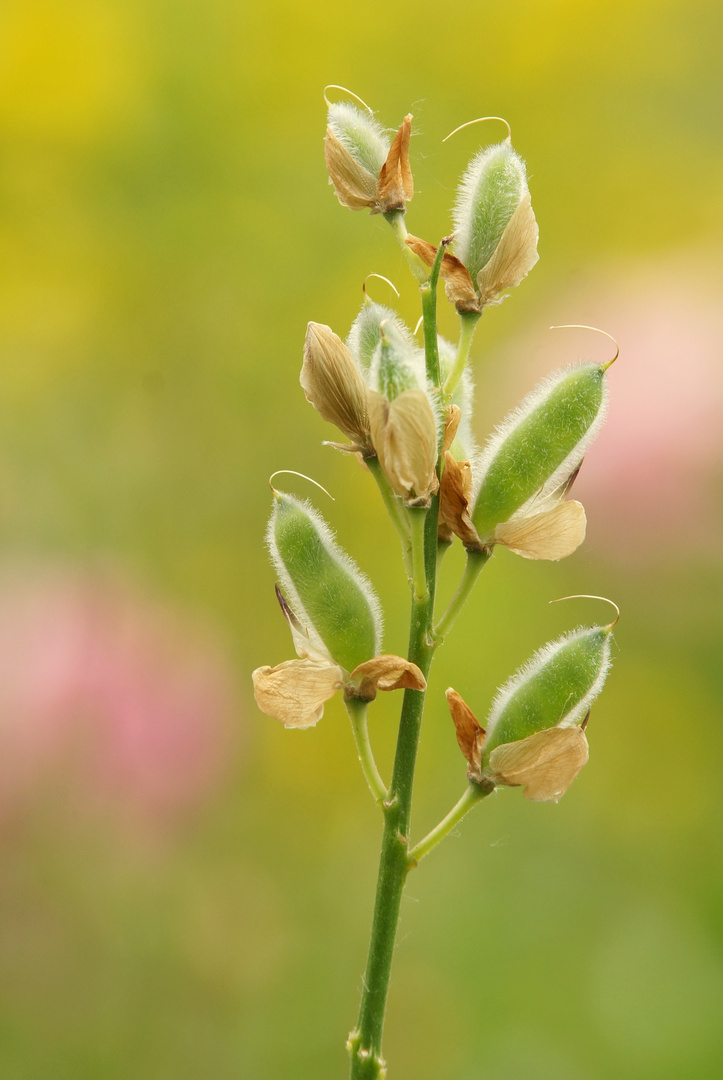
(327, 592)
(367, 171)
(397, 362)
(534, 733)
(537, 449)
(334, 385)
(367, 329)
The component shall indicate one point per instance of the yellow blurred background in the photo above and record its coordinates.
(185, 887)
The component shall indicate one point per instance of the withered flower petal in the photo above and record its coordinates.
(386, 672)
(354, 186)
(334, 385)
(553, 534)
(395, 186)
(404, 434)
(514, 256)
(294, 692)
(470, 736)
(455, 491)
(457, 281)
(545, 763)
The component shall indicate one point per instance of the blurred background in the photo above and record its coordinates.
(185, 887)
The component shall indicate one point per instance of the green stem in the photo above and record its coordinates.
(468, 325)
(417, 517)
(429, 312)
(395, 510)
(476, 561)
(365, 1042)
(399, 228)
(474, 793)
(358, 715)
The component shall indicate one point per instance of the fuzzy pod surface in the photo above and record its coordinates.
(360, 134)
(539, 444)
(325, 588)
(554, 689)
(490, 191)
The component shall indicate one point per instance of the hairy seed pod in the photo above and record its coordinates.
(539, 445)
(366, 332)
(492, 187)
(329, 595)
(355, 148)
(397, 363)
(555, 689)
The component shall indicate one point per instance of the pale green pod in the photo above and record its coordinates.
(554, 689)
(539, 445)
(333, 600)
(397, 363)
(491, 189)
(366, 332)
(360, 134)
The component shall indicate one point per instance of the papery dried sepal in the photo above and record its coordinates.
(514, 256)
(470, 735)
(334, 385)
(386, 672)
(553, 534)
(395, 186)
(295, 691)
(404, 434)
(458, 283)
(455, 491)
(545, 763)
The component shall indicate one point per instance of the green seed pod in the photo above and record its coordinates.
(555, 689)
(333, 600)
(360, 135)
(397, 363)
(539, 445)
(491, 189)
(366, 332)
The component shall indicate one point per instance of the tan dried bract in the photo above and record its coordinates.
(404, 435)
(396, 185)
(451, 424)
(334, 385)
(553, 534)
(386, 672)
(470, 736)
(545, 763)
(457, 281)
(354, 185)
(294, 692)
(514, 256)
(455, 490)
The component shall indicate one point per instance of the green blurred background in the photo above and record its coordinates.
(185, 887)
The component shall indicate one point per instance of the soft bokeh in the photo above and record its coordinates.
(184, 899)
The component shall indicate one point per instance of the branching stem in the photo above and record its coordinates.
(358, 715)
(395, 510)
(468, 325)
(473, 794)
(476, 561)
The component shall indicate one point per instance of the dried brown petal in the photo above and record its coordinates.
(455, 490)
(458, 283)
(395, 186)
(354, 185)
(334, 385)
(470, 736)
(386, 672)
(404, 434)
(514, 256)
(545, 763)
(294, 692)
(554, 534)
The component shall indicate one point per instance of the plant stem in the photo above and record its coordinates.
(417, 517)
(365, 1042)
(428, 291)
(474, 793)
(468, 325)
(358, 715)
(476, 561)
(399, 228)
(395, 510)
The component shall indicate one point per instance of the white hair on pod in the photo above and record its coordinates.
(577, 713)
(532, 401)
(345, 561)
(359, 133)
